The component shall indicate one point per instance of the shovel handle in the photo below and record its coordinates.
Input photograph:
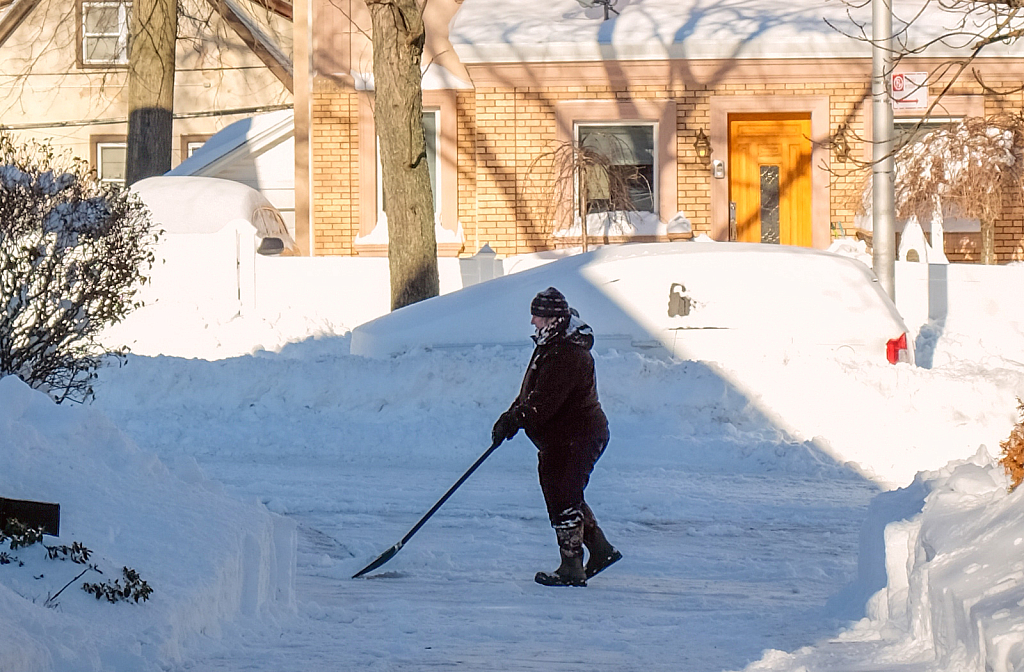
(391, 552)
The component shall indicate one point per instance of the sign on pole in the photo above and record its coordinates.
(909, 90)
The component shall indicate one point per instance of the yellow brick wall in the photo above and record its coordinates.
(505, 136)
(335, 169)
(693, 183)
(466, 166)
(1010, 226)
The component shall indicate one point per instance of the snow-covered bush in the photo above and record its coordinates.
(1012, 457)
(963, 168)
(964, 164)
(73, 254)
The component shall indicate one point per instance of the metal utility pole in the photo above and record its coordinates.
(883, 182)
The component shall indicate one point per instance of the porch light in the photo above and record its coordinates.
(702, 146)
(841, 144)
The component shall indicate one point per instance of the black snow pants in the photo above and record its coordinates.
(564, 474)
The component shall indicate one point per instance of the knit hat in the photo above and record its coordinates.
(549, 303)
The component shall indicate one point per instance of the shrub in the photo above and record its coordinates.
(73, 254)
(22, 536)
(134, 588)
(1013, 450)
(19, 534)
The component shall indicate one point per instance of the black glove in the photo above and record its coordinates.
(506, 427)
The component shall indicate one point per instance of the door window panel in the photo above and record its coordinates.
(770, 204)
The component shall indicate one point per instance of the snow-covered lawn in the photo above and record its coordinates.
(752, 506)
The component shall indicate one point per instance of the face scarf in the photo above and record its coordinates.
(552, 332)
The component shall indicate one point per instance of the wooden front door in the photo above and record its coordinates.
(770, 178)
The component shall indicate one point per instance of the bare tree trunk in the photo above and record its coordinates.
(988, 240)
(398, 37)
(154, 27)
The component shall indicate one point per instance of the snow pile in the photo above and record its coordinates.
(853, 248)
(738, 492)
(190, 204)
(207, 557)
(693, 300)
(950, 545)
(956, 574)
(966, 316)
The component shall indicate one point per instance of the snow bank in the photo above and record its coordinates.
(945, 557)
(207, 557)
(963, 312)
(230, 301)
(956, 574)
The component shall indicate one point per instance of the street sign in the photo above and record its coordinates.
(909, 90)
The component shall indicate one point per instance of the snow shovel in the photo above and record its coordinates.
(391, 552)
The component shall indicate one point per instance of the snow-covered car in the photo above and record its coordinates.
(689, 300)
(192, 205)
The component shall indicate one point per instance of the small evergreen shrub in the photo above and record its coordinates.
(134, 587)
(20, 535)
(1013, 450)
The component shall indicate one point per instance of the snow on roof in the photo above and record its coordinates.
(561, 30)
(250, 134)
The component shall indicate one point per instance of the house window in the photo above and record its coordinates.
(190, 143)
(110, 160)
(630, 152)
(104, 30)
(906, 130)
(431, 129)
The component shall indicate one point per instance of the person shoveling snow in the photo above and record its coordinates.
(559, 409)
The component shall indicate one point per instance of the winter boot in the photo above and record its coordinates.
(602, 553)
(570, 547)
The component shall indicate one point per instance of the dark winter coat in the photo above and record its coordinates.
(557, 403)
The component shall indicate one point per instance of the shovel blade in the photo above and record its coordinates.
(384, 557)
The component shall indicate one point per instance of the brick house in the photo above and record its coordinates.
(778, 99)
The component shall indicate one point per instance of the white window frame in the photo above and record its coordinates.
(381, 217)
(655, 177)
(123, 9)
(100, 146)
